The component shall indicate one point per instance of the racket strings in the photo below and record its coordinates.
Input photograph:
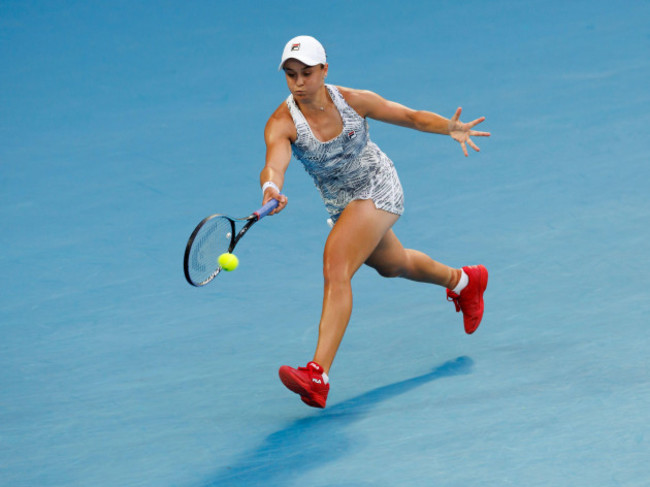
(212, 240)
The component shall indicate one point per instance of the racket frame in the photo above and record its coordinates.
(234, 239)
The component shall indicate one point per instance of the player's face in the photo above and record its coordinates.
(304, 81)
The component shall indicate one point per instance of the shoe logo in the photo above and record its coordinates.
(317, 381)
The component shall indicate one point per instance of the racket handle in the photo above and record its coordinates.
(266, 209)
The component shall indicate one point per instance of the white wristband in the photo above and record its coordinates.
(270, 184)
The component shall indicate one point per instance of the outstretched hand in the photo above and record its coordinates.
(272, 193)
(461, 132)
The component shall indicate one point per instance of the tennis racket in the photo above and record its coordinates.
(212, 237)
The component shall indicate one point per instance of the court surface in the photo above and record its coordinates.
(122, 124)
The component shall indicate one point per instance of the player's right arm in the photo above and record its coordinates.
(279, 133)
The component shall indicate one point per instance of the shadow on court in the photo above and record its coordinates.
(313, 441)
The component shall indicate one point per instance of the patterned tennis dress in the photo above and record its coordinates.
(348, 167)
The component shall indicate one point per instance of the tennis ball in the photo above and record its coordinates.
(228, 262)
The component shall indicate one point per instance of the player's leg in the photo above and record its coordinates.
(464, 287)
(357, 232)
(355, 236)
(391, 259)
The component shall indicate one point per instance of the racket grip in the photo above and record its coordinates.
(266, 209)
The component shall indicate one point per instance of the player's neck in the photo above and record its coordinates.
(319, 103)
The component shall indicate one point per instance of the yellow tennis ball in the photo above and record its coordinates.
(228, 262)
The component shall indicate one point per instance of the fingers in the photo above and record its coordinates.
(282, 200)
(282, 203)
(473, 123)
(476, 122)
(472, 145)
(462, 132)
(465, 142)
(456, 115)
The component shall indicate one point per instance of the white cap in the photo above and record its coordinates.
(305, 49)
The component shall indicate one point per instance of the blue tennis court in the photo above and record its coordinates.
(123, 124)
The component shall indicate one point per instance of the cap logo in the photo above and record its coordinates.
(295, 47)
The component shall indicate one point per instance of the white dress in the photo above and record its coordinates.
(348, 167)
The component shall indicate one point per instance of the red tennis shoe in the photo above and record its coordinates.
(470, 299)
(308, 382)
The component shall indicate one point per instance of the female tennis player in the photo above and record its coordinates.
(325, 128)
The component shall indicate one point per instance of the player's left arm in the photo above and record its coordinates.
(371, 105)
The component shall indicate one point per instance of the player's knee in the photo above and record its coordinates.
(389, 271)
(335, 270)
(390, 266)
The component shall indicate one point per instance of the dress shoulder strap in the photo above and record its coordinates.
(337, 97)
